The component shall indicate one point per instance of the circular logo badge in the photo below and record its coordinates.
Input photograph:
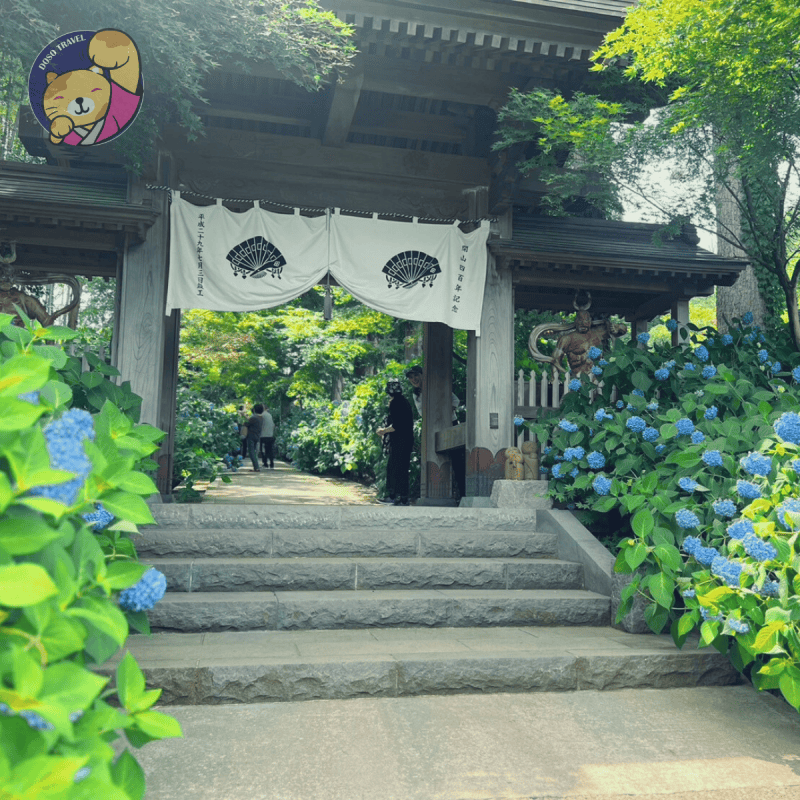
(85, 87)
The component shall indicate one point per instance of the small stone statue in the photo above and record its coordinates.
(530, 460)
(514, 468)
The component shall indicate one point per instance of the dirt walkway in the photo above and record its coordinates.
(285, 484)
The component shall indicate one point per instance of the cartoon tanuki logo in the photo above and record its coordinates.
(86, 87)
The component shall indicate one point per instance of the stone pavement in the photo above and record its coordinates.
(285, 484)
(711, 743)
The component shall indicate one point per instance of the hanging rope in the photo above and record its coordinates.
(316, 210)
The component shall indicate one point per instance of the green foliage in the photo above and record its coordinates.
(729, 131)
(59, 579)
(667, 459)
(180, 43)
(334, 437)
(204, 434)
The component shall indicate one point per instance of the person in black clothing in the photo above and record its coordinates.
(399, 428)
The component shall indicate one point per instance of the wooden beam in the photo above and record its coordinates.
(344, 101)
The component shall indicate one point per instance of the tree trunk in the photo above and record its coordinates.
(744, 295)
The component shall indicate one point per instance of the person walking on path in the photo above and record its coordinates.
(267, 440)
(400, 430)
(253, 426)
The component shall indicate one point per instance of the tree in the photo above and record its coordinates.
(730, 130)
(179, 42)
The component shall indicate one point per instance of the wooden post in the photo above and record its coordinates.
(436, 480)
(680, 313)
(490, 382)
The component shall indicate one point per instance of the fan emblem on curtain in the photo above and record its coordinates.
(410, 268)
(256, 257)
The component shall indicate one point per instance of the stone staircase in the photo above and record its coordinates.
(274, 602)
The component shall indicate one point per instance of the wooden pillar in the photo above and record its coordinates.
(680, 313)
(143, 330)
(490, 382)
(436, 479)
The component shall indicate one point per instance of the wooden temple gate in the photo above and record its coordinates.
(407, 131)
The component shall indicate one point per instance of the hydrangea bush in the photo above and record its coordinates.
(71, 496)
(339, 437)
(205, 434)
(698, 451)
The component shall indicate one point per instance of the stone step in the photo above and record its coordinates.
(178, 542)
(301, 574)
(269, 666)
(241, 516)
(303, 610)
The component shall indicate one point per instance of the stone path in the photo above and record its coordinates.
(287, 485)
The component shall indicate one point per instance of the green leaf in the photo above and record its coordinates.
(122, 574)
(656, 617)
(636, 555)
(23, 531)
(685, 460)
(128, 506)
(104, 615)
(668, 431)
(662, 588)
(669, 555)
(18, 415)
(129, 776)
(717, 389)
(789, 684)
(56, 393)
(687, 622)
(139, 483)
(158, 725)
(643, 523)
(25, 585)
(130, 682)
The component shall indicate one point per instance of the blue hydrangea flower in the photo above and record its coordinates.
(64, 438)
(758, 549)
(575, 385)
(670, 364)
(602, 414)
(566, 425)
(29, 397)
(75, 716)
(711, 412)
(671, 325)
(601, 484)
(763, 355)
(796, 374)
(756, 464)
(661, 374)
(729, 571)
(82, 773)
(638, 392)
(709, 617)
(791, 504)
(100, 517)
(698, 437)
(652, 406)
(688, 366)
(635, 424)
(724, 508)
(519, 421)
(547, 450)
(596, 460)
(740, 528)
(689, 593)
(573, 452)
(787, 426)
(556, 471)
(594, 353)
(747, 319)
(795, 465)
(712, 458)
(777, 366)
(738, 626)
(686, 519)
(709, 372)
(629, 407)
(602, 362)
(694, 547)
(596, 370)
(35, 721)
(770, 589)
(685, 427)
(574, 473)
(650, 434)
(727, 339)
(710, 341)
(701, 354)
(145, 594)
(747, 490)
(660, 448)
(643, 338)
(687, 484)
